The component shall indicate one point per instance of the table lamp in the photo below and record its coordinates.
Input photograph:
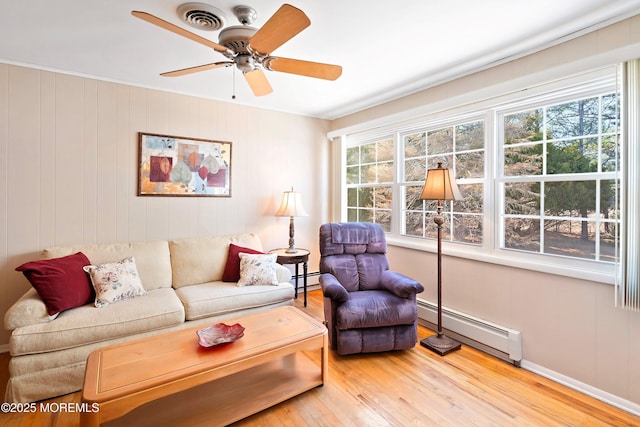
(291, 206)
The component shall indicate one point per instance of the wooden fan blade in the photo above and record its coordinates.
(281, 27)
(184, 71)
(303, 68)
(177, 30)
(258, 82)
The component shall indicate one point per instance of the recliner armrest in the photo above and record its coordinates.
(400, 285)
(332, 289)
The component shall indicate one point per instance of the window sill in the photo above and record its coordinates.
(558, 265)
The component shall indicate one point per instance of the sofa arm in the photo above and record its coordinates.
(400, 285)
(28, 310)
(283, 273)
(332, 289)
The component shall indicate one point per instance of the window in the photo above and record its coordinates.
(559, 183)
(459, 147)
(538, 174)
(369, 178)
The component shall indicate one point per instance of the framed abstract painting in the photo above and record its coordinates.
(178, 166)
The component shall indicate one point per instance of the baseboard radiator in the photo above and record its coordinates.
(313, 282)
(485, 336)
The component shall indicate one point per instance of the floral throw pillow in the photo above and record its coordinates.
(115, 281)
(258, 269)
(232, 267)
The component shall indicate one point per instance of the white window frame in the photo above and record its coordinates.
(401, 183)
(371, 140)
(592, 89)
(487, 110)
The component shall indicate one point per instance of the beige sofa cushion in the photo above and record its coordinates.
(29, 309)
(216, 298)
(152, 258)
(160, 308)
(198, 260)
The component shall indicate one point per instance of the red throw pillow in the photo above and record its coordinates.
(60, 282)
(232, 269)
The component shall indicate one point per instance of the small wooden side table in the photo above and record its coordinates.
(300, 257)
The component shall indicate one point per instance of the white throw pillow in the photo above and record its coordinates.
(115, 281)
(258, 269)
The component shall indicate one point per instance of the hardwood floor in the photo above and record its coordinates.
(407, 388)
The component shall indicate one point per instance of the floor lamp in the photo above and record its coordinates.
(440, 185)
(291, 206)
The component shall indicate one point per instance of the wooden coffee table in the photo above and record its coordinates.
(171, 376)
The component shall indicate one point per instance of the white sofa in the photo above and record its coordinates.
(184, 289)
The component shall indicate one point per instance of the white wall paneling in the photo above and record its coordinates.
(68, 168)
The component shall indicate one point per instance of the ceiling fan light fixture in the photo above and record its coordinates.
(245, 63)
(201, 16)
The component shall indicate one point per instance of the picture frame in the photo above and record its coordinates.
(179, 166)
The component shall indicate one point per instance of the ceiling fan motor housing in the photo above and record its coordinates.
(236, 38)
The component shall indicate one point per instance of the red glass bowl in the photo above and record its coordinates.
(219, 333)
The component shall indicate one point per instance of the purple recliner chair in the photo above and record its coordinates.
(367, 307)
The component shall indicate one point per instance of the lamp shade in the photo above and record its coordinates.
(440, 184)
(291, 205)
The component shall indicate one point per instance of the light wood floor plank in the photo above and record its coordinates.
(407, 388)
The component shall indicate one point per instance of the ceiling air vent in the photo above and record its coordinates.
(201, 16)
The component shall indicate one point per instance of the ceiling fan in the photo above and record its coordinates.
(249, 49)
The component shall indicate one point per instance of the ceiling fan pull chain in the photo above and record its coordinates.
(234, 83)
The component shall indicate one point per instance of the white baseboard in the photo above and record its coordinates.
(310, 288)
(594, 392)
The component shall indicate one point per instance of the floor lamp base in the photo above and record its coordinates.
(440, 344)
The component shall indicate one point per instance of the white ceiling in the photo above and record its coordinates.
(386, 49)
